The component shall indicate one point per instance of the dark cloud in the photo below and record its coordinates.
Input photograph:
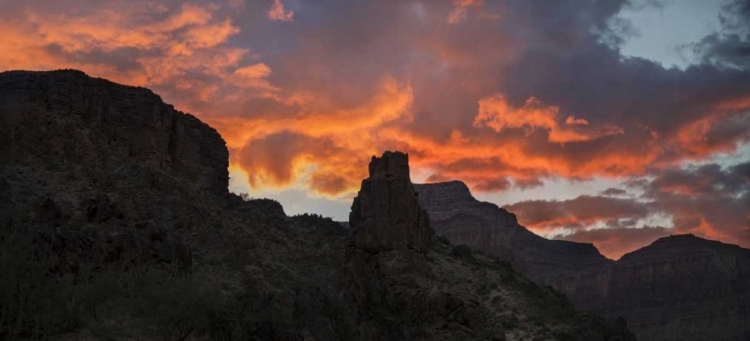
(710, 201)
(613, 192)
(583, 211)
(731, 46)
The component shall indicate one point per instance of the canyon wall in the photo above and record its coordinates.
(678, 288)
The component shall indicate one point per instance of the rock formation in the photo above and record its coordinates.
(678, 288)
(386, 215)
(455, 214)
(386, 265)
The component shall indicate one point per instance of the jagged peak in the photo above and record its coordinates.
(390, 164)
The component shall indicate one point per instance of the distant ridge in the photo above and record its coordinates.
(680, 287)
(456, 214)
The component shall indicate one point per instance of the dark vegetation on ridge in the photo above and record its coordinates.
(116, 224)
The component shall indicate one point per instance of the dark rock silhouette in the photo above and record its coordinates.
(386, 214)
(678, 288)
(115, 220)
(66, 115)
(390, 281)
(386, 265)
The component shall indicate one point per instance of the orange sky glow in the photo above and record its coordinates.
(484, 92)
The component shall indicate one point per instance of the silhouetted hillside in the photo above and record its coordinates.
(116, 224)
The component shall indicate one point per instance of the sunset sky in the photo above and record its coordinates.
(605, 121)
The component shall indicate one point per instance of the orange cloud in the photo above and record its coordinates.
(572, 120)
(278, 13)
(460, 8)
(495, 112)
(253, 76)
(319, 146)
(187, 41)
(306, 105)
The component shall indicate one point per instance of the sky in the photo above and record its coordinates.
(610, 122)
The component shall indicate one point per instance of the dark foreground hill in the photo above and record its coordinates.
(116, 224)
(678, 288)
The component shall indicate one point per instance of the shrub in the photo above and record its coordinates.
(176, 306)
(34, 304)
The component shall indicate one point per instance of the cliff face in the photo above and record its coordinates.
(82, 152)
(455, 214)
(678, 288)
(65, 115)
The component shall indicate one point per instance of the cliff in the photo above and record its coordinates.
(678, 288)
(455, 214)
(67, 119)
(78, 152)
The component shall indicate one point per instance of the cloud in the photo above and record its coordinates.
(460, 8)
(579, 213)
(710, 201)
(496, 113)
(253, 76)
(541, 91)
(278, 13)
(572, 120)
(327, 146)
(613, 192)
(731, 46)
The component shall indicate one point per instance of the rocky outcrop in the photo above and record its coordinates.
(678, 288)
(386, 215)
(457, 215)
(386, 265)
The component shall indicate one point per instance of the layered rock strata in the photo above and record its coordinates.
(457, 215)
